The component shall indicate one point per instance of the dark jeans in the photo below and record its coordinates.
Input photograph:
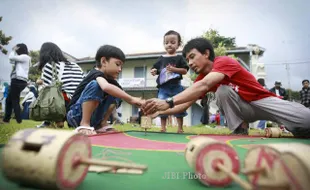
(13, 99)
(25, 113)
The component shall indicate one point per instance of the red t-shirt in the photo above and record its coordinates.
(242, 81)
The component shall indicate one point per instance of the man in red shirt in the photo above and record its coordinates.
(238, 94)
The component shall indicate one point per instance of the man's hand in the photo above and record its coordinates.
(153, 105)
(153, 72)
(154, 115)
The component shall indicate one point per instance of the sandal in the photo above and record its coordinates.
(163, 130)
(106, 129)
(180, 131)
(85, 130)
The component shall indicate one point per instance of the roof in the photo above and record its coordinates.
(150, 55)
(70, 57)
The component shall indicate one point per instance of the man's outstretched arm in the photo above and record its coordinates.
(177, 109)
(189, 95)
(198, 88)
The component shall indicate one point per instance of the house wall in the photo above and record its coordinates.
(128, 73)
(150, 81)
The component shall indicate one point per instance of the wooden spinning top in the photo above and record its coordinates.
(278, 166)
(51, 159)
(215, 163)
(273, 132)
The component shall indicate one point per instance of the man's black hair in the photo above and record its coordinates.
(306, 80)
(109, 51)
(201, 44)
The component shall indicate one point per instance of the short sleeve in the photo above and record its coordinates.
(199, 77)
(183, 63)
(157, 64)
(226, 65)
(109, 80)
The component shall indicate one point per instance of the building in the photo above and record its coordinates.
(137, 80)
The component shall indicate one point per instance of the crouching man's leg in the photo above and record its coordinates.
(83, 114)
(105, 112)
(237, 112)
(294, 116)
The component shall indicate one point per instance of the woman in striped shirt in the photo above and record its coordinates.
(69, 73)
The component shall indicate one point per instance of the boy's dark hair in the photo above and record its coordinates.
(306, 80)
(201, 44)
(49, 53)
(109, 51)
(22, 49)
(172, 32)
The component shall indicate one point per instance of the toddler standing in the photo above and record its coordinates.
(170, 68)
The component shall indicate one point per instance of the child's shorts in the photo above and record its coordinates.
(171, 90)
(91, 92)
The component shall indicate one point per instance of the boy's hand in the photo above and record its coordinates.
(137, 101)
(153, 72)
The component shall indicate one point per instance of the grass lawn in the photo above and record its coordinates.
(7, 130)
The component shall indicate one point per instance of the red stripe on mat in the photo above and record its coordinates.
(120, 140)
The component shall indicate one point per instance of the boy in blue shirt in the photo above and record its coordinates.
(98, 91)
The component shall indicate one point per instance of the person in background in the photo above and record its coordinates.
(305, 93)
(69, 73)
(20, 60)
(279, 91)
(5, 91)
(262, 123)
(261, 81)
(28, 99)
(218, 117)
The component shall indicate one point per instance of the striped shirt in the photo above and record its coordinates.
(71, 77)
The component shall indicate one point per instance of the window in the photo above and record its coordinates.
(139, 72)
(135, 110)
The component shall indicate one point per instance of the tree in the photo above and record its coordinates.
(34, 73)
(220, 44)
(293, 95)
(4, 40)
(219, 41)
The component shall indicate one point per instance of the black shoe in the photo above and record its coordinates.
(240, 131)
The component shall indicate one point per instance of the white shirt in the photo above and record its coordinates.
(21, 66)
(29, 97)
